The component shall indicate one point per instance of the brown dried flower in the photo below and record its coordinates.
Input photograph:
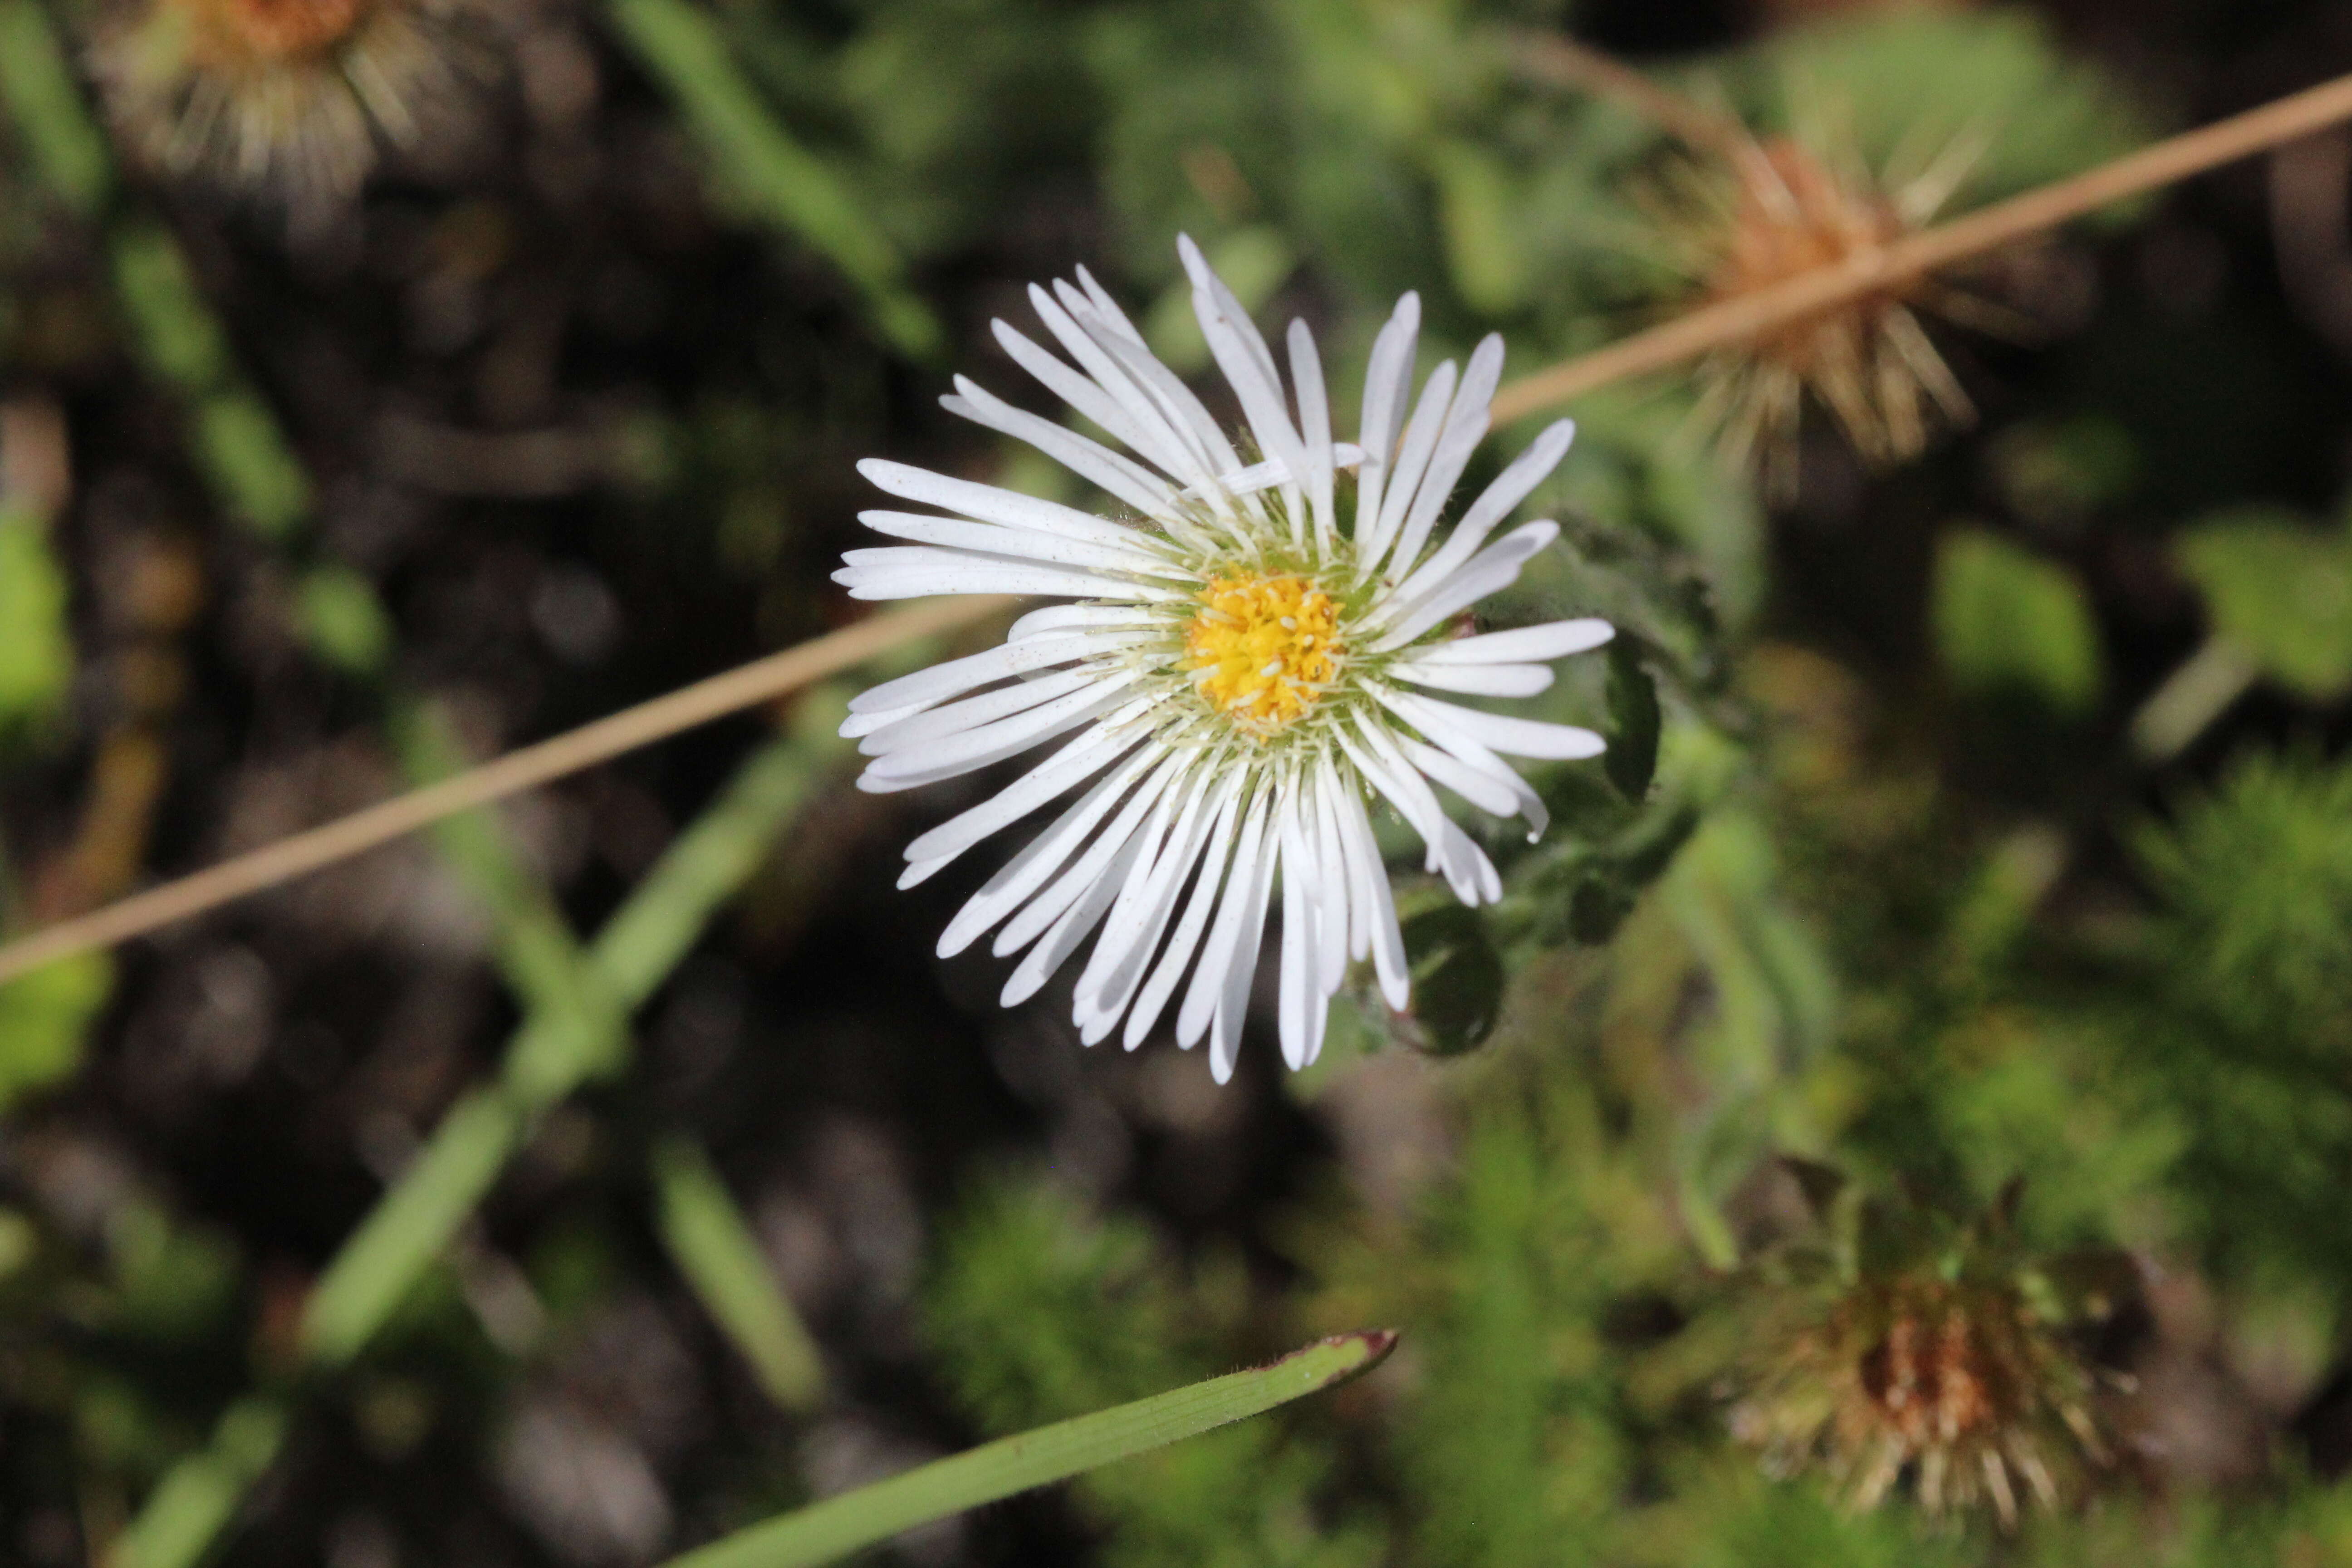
(1744, 214)
(1941, 1358)
(292, 96)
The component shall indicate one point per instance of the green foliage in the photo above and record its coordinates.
(45, 1017)
(2281, 592)
(343, 622)
(1911, 81)
(2008, 620)
(839, 1525)
(36, 638)
(759, 163)
(715, 1249)
(2252, 957)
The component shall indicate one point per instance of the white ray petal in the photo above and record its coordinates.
(1200, 997)
(1042, 856)
(1490, 570)
(993, 503)
(1419, 440)
(1088, 754)
(1117, 837)
(1022, 544)
(1496, 731)
(1068, 932)
(1511, 487)
(938, 682)
(1477, 679)
(1465, 427)
(1315, 431)
(1387, 935)
(1216, 849)
(970, 712)
(1553, 639)
(1388, 379)
(1510, 796)
(1090, 460)
(959, 754)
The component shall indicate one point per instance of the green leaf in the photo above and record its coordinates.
(244, 455)
(197, 1500)
(36, 80)
(841, 1525)
(1477, 206)
(36, 640)
(1632, 760)
(1457, 978)
(715, 1249)
(2008, 620)
(43, 1017)
(342, 620)
(176, 332)
(2281, 590)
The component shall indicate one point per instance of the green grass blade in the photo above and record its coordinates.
(36, 82)
(715, 1249)
(777, 178)
(202, 1493)
(410, 1227)
(844, 1524)
(555, 1051)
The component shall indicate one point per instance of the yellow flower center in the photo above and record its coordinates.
(1262, 649)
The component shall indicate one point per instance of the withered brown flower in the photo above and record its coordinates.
(294, 98)
(1946, 1359)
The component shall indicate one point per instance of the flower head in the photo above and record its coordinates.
(1245, 674)
(1944, 1356)
(293, 96)
(1751, 214)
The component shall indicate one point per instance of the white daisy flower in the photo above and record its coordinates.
(1245, 672)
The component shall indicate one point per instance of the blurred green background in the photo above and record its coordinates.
(1963, 915)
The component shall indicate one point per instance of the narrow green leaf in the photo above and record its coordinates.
(176, 332)
(36, 637)
(841, 1525)
(557, 1049)
(342, 620)
(715, 1249)
(200, 1495)
(246, 459)
(36, 80)
(780, 180)
(410, 1227)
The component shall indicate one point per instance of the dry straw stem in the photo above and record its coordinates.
(1716, 326)
(749, 686)
(1876, 270)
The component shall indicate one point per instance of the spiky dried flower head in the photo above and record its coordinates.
(1945, 1360)
(1743, 214)
(292, 98)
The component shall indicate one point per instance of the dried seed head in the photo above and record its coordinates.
(293, 98)
(1956, 1370)
(1747, 214)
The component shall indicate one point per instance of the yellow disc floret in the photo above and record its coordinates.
(1262, 650)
